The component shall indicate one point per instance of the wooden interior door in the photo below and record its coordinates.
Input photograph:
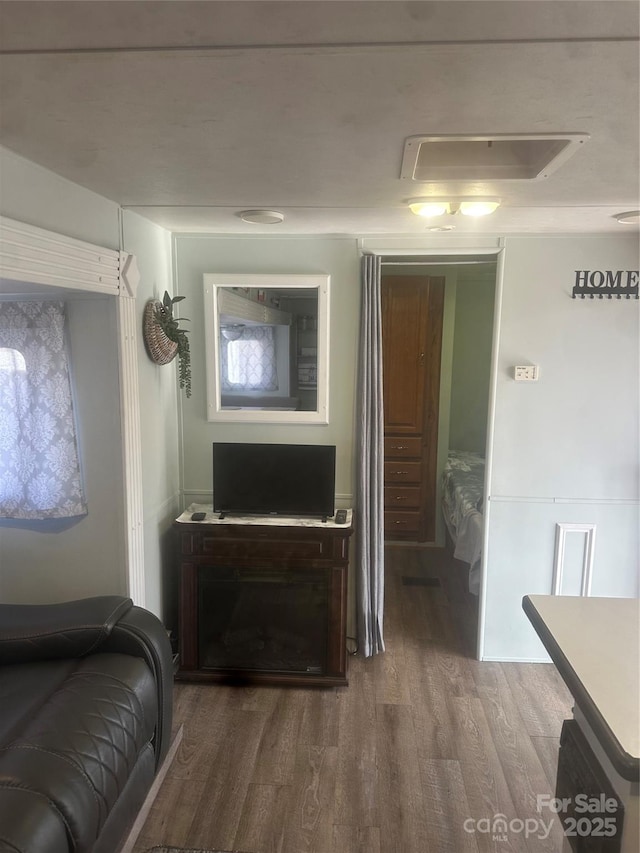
(412, 310)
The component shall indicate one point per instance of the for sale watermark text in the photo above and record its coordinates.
(582, 804)
(582, 815)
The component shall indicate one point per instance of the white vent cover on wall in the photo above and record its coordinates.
(499, 157)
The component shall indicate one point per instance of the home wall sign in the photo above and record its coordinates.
(609, 283)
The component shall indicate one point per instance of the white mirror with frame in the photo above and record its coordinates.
(267, 348)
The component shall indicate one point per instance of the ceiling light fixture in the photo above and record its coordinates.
(426, 208)
(430, 207)
(630, 217)
(233, 332)
(261, 217)
(481, 207)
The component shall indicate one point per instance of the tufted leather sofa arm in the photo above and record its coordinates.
(138, 632)
(72, 629)
(85, 721)
(32, 632)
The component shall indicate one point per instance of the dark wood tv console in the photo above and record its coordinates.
(263, 600)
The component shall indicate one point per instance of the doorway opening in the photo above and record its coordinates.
(438, 339)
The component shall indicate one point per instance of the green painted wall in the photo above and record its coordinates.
(333, 256)
(471, 366)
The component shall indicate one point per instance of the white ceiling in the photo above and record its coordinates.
(188, 112)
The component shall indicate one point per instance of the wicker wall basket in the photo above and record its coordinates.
(161, 349)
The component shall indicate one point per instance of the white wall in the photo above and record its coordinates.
(334, 256)
(158, 421)
(39, 197)
(566, 449)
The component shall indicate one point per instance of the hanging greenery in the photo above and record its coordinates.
(169, 325)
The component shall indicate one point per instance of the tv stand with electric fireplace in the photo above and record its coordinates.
(263, 599)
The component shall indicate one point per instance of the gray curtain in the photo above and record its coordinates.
(370, 487)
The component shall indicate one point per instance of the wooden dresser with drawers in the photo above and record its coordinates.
(412, 309)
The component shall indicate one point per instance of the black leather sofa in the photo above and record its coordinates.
(85, 721)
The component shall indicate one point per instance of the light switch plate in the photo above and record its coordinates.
(526, 373)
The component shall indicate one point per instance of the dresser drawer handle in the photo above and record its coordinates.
(399, 472)
(401, 498)
(399, 447)
(400, 522)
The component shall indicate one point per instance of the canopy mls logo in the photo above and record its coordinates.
(609, 283)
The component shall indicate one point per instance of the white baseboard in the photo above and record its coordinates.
(515, 660)
(143, 814)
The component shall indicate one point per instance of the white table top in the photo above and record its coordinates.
(599, 644)
(260, 520)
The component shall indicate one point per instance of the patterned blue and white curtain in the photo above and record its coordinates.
(248, 358)
(39, 465)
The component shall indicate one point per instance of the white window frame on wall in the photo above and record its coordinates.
(37, 256)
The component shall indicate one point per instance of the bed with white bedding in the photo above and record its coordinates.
(462, 505)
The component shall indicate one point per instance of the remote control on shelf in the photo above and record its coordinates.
(341, 516)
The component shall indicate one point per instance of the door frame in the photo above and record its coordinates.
(445, 255)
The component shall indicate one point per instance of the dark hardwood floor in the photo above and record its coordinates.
(420, 753)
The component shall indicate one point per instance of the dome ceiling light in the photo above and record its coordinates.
(261, 217)
(630, 217)
(432, 207)
(479, 207)
(429, 208)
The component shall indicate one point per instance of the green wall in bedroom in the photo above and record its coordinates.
(471, 369)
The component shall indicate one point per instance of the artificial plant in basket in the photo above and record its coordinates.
(172, 330)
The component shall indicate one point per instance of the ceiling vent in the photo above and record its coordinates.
(501, 157)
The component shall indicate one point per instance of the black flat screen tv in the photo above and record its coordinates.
(274, 479)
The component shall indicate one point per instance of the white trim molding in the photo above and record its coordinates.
(131, 447)
(34, 255)
(129, 274)
(131, 431)
(562, 529)
(432, 244)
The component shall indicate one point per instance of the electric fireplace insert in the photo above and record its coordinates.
(266, 619)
